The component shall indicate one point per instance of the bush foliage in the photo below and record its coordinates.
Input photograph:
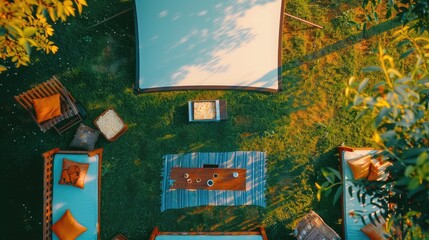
(393, 100)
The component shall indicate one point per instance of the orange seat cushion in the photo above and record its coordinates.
(360, 166)
(47, 108)
(73, 173)
(67, 227)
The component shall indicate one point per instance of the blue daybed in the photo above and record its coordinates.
(83, 203)
(351, 225)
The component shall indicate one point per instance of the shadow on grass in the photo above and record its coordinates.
(374, 31)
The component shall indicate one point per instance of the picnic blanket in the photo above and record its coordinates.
(252, 161)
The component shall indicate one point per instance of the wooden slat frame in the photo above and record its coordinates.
(47, 187)
(69, 109)
(261, 232)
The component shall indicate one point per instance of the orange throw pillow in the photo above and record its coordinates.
(73, 173)
(377, 170)
(67, 227)
(360, 166)
(47, 108)
(373, 232)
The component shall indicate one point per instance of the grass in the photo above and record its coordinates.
(299, 128)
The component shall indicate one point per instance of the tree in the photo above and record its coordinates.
(415, 13)
(24, 25)
(394, 100)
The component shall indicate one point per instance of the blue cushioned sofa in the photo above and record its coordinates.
(84, 203)
(352, 225)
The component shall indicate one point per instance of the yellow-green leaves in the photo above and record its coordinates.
(26, 26)
(79, 4)
(25, 44)
(377, 139)
(68, 8)
(333, 180)
(418, 172)
(422, 159)
(396, 105)
(363, 84)
(319, 191)
(52, 13)
(29, 31)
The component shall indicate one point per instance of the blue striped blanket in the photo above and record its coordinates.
(252, 161)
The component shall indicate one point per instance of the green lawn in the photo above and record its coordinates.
(299, 128)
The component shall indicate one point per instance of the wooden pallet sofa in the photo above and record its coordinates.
(82, 203)
(260, 234)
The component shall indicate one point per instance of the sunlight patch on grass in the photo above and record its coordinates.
(97, 105)
(243, 120)
(332, 57)
(166, 137)
(195, 147)
(246, 135)
(131, 124)
(137, 162)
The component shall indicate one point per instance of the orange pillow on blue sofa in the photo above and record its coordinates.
(360, 166)
(67, 227)
(73, 173)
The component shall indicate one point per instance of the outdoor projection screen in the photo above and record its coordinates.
(208, 44)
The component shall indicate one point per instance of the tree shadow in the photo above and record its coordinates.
(353, 39)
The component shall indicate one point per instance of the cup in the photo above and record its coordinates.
(198, 180)
(186, 175)
(235, 174)
(210, 182)
(214, 175)
(189, 180)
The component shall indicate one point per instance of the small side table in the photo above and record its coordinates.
(207, 110)
(110, 124)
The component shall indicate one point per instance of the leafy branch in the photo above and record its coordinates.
(414, 13)
(23, 26)
(395, 102)
(333, 180)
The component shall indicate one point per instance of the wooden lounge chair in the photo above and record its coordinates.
(57, 198)
(69, 108)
